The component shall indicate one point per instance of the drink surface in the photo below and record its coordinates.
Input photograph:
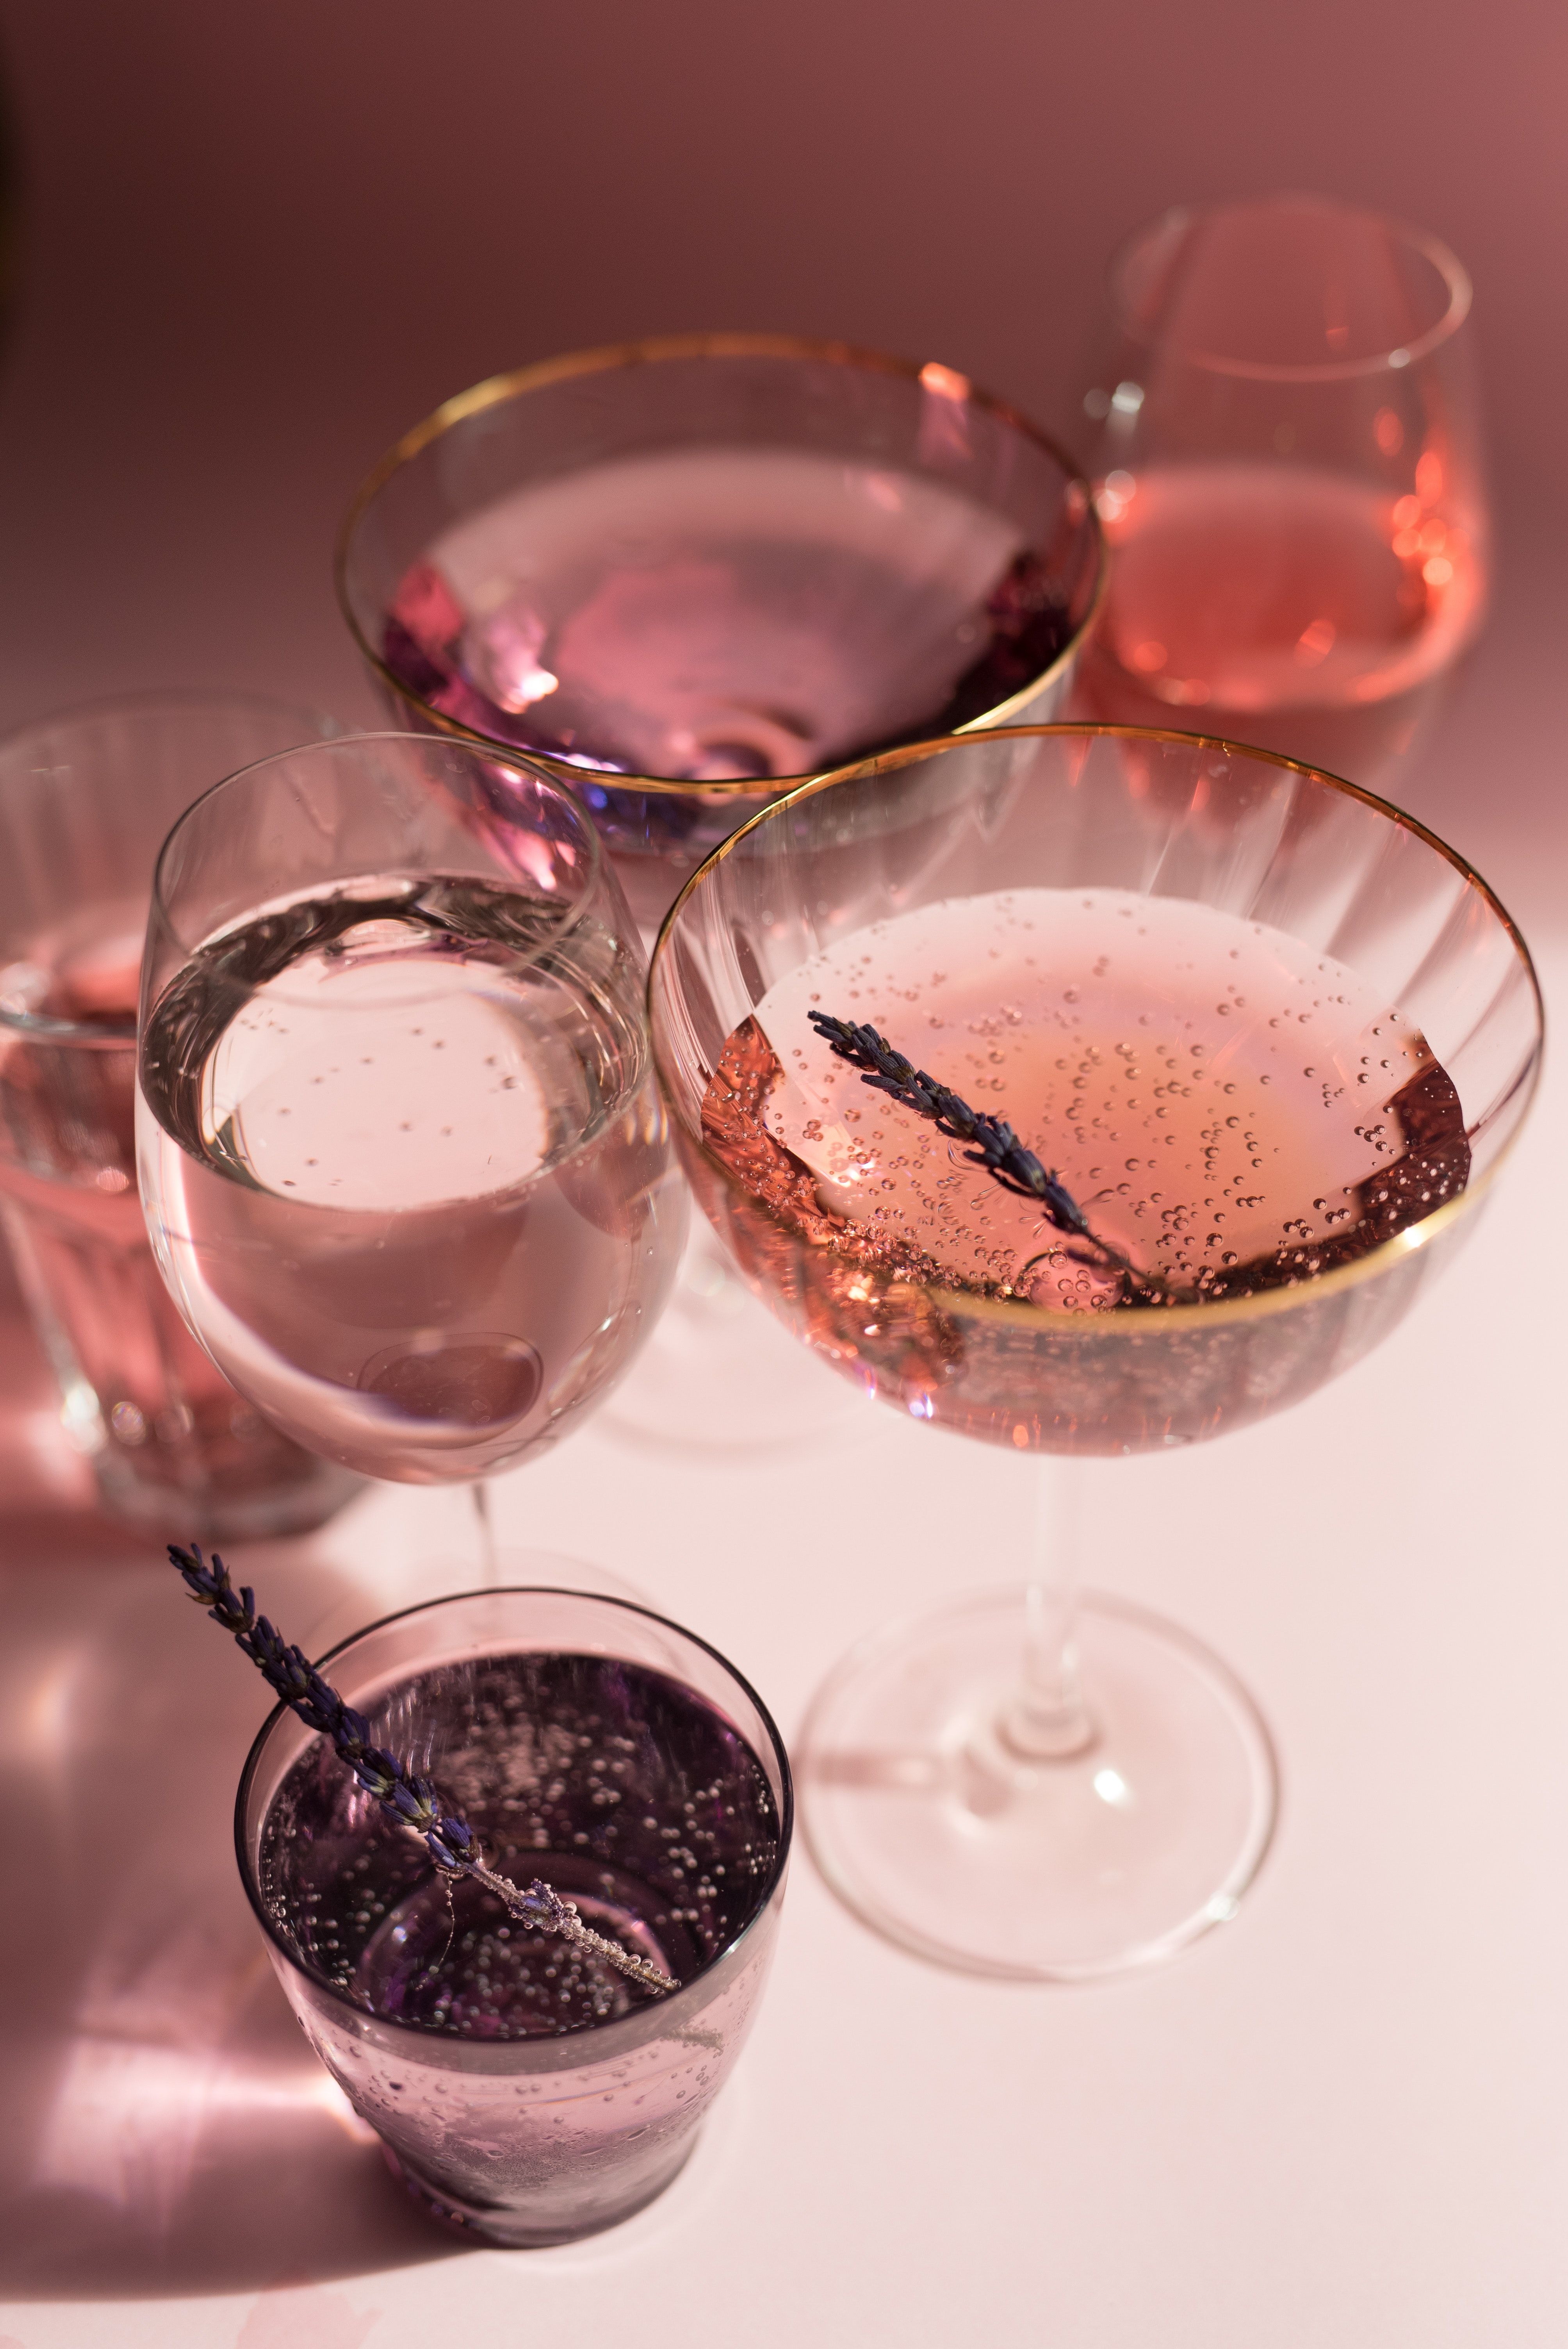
(1280, 605)
(716, 614)
(1232, 1110)
(406, 1161)
(619, 1786)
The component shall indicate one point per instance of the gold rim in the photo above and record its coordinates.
(1448, 264)
(498, 388)
(1383, 1258)
(338, 745)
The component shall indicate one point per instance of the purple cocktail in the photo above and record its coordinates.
(523, 2088)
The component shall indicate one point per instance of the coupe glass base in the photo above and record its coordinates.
(1102, 1863)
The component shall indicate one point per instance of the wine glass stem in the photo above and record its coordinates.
(1047, 1719)
(490, 1573)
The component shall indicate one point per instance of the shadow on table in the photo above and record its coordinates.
(164, 2129)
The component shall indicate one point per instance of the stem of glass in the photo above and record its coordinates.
(1046, 1720)
(490, 1573)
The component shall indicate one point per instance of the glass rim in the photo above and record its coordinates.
(1014, 1314)
(117, 1032)
(516, 960)
(596, 2035)
(608, 358)
(1395, 360)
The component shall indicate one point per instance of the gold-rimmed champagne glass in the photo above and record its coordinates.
(1270, 1041)
(1286, 449)
(683, 575)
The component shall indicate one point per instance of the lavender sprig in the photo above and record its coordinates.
(1006, 1159)
(408, 1800)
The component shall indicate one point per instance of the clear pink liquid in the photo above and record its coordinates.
(1285, 606)
(1235, 1114)
(1210, 1091)
(716, 613)
(171, 1431)
(421, 1211)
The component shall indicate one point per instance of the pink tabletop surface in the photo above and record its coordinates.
(258, 246)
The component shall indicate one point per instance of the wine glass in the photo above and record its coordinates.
(403, 1160)
(1288, 460)
(683, 573)
(1264, 1042)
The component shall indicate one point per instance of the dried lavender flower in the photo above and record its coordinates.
(997, 1148)
(409, 1801)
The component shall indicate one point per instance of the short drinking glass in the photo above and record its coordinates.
(521, 2091)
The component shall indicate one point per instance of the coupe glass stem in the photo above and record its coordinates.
(490, 1573)
(1045, 1719)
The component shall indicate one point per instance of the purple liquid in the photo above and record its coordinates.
(619, 1786)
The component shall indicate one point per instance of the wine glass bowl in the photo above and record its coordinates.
(1288, 464)
(1260, 1044)
(685, 573)
(403, 1159)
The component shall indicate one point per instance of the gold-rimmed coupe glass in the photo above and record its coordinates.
(1194, 978)
(1284, 437)
(688, 572)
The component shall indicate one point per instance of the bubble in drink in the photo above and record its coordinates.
(620, 1785)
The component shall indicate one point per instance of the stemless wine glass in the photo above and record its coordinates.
(1288, 465)
(403, 1160)
(1270, 1041)
(684, 573)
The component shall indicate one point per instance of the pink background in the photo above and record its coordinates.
(258, 243)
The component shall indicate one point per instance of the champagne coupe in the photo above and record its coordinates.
(683, 575)
(1269, 1041)
(1289, 467)
(403, 1160)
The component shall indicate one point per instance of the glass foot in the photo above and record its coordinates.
(1111, 1858)
(719, 1375)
